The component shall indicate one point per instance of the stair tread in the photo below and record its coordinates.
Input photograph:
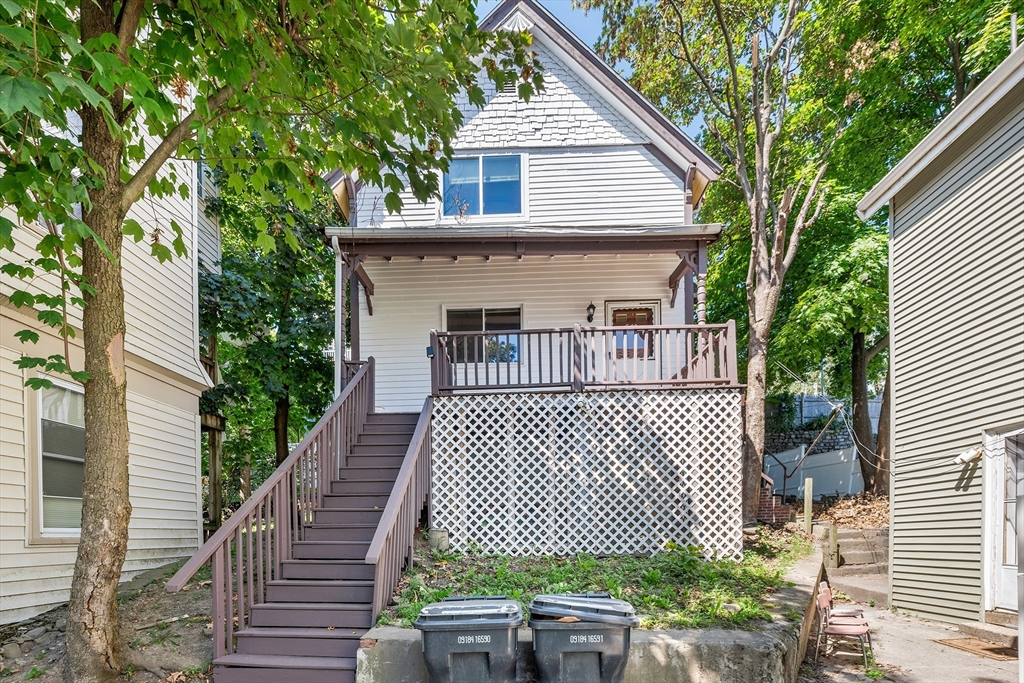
(286, 662)
(362, 481)
(339, 526)
(332, 542)
(325, 583)
(372, 508)
(295, 632)
(322, 561)
(314, 606)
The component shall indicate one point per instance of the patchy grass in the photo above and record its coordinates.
(673, 589)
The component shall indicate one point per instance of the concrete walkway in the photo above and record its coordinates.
(906, 652)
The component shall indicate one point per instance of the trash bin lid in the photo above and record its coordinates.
(475, 611)
(593, 607)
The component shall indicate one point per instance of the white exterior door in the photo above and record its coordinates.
(1007, 452)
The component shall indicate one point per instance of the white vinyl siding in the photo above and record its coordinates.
(958, 353)
(411, 297)
(164, 475)
(595, 186)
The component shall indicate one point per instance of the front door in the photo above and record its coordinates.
(1009, 485)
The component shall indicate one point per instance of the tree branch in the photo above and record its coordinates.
(877, 347)
(128, 26)
(168, 146)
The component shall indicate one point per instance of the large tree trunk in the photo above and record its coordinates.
(281, 408)
(93, 639)
(884, 446)
(753, 450)
(863, 437)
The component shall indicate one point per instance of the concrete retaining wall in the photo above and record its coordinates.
(771, 655)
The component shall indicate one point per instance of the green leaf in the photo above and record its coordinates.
(27, 336)
(393, 202)
(133, 229)
(22, 299)
(38, 383)
(12, 8)
(266, 243)
(291, 240)
(20, 92)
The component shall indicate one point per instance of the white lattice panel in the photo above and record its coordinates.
(604, 472)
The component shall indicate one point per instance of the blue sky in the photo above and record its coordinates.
(586, 26)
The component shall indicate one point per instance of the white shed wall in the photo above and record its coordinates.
(554, 292)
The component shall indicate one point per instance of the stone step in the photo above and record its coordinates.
(862, 556)
(873, 569)
(990, 633)
(1008, 619)
(300, 642)
(844, 534)
(879, 544)
(863, 589)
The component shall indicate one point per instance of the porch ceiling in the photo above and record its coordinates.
(507, 241)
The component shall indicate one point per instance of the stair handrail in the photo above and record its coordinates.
(392, 543)
(249, 549)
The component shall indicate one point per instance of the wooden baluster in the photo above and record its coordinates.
(240, 569)
(519, 358)
(261, 564)
(219, 616)
(228, 600)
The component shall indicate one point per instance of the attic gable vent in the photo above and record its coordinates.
(518, 23)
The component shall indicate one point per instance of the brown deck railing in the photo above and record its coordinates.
(248, 550)
(392, 544)
(584, 358)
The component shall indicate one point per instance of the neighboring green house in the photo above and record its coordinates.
(956, 221)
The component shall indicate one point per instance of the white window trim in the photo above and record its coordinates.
(42, 531)
(443, 327)
(490, 218)
(992, 455)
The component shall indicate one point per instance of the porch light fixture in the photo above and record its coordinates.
(430, 352)
(591, 309)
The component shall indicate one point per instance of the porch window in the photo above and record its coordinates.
(630, 344)
(484, 185)
(62, 439)
(496, 348)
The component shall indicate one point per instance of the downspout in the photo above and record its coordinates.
(339, 315)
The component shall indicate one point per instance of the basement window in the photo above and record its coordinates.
(62, 457)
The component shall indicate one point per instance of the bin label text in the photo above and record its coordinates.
(470, 640)
(588, 638)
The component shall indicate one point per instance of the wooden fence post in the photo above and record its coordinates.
(808, 503)
(577, 358)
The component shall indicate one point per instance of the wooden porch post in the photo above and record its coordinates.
(702, 274)
(353, 304)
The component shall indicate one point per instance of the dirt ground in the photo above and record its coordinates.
(167, 637)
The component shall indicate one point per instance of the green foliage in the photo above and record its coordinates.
(367, 87)
(272, 311)
(674, 589)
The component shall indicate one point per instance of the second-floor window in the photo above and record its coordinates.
(62, 428)
(484, 185)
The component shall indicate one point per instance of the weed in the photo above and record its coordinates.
(677, 588)
(129, 671)
(194, 671)
(871, 603)
(5, 672)
(34, 672)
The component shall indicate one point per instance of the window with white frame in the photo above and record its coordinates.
(62, 457)
(496, 348)
(484, 185)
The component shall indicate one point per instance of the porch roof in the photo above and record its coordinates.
(522, 241)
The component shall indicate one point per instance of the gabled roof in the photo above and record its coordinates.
(984, 98)
(668, 139)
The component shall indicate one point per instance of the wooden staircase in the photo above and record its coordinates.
(309, 628)
(302, 569)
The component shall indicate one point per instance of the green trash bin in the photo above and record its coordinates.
(581, 638)
(470, 640)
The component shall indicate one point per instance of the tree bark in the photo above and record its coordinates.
(753, 447)
(884, 446)
(94, 649)
(863, 437)
(281, 408)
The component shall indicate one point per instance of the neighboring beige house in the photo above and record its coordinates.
(956, 220)
(42, 435)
